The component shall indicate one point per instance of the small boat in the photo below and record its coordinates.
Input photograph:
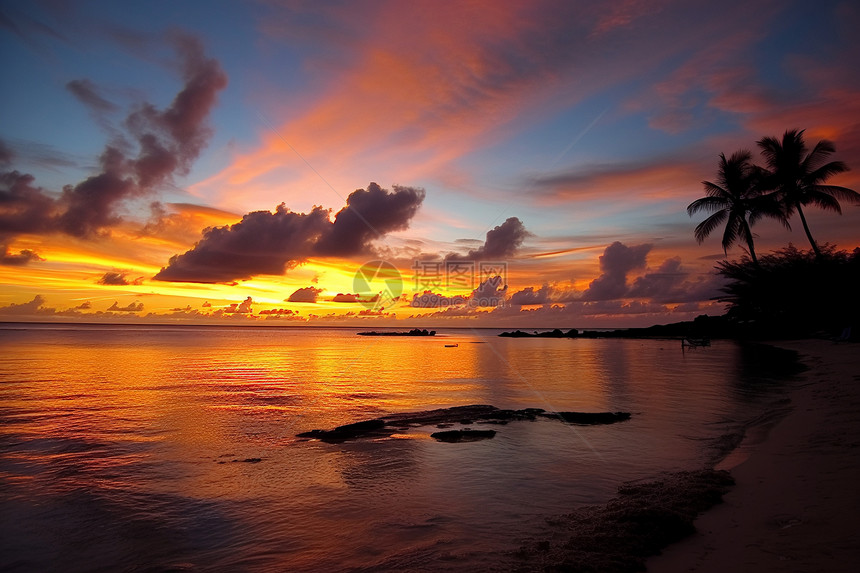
(451, 345)
(695, 342)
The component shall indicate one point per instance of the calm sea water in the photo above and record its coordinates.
(125, 448)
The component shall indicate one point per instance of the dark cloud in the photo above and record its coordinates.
(34, 153)
(369, 214)
(27, 27)
(546, 294)
(668, 283)
(490, 292)
(349, 297)
(261, 243)
(21, 258)
(35, 306)
(171, 139)
(306, 294)
(501, 242)
(90, 206)
(118, 278)
(131, 307)
(88, 94)
(659, 283)
(529, 296)
(345, 297)
(270, 243)
(167, 142)
(243, 307)
(611, 293)
(615, 263)
(671, 283)
(276, 312)
(24, 208)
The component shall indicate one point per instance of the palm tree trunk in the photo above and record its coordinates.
(808, 234)
(749, 238)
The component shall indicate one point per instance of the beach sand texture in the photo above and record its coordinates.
(795, 506)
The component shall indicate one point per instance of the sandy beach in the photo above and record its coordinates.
(795, 504)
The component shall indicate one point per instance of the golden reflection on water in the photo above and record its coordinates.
(201, 423)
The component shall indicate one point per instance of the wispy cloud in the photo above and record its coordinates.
(167, 142)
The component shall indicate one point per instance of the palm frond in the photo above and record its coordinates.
(714, 190)
(768, 206)
(819, 154)
(707, 226)
(841, 193)
(707, 204)
(825, 172)
(740, 156)
(769, 147)
(823, 201)
(732, 232)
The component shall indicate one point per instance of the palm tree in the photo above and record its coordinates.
(797, 177)
(736, 200)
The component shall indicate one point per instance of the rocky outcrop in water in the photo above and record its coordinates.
(589, 418)
(555, 333)
(618, 536)
(366, 428)
(464, 435)
(446, 417)
(413, 332)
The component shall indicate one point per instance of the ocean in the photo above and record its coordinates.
(135, 448)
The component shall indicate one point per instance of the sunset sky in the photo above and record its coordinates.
(247, 162)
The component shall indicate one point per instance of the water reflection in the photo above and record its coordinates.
(172, 446)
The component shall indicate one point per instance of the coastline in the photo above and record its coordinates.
(794, 503)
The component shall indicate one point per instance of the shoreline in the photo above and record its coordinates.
(793, 506)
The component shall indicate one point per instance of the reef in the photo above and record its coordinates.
(464, 415)
(618, 536)
(464, 435)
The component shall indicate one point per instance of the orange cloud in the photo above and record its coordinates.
(638, 182)
(426, 84)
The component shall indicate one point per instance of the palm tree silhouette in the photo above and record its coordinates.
(797, 177)
(735, 199)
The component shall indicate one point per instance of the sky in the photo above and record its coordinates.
(498, 164)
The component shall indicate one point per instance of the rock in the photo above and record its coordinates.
(589, 418)
(349, 431)
(413, 332)
(446, 417)
(555, 333)
(619, 535)
(464, 435)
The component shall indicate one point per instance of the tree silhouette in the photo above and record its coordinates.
(797, 177)
(792, 292)
(736, 200)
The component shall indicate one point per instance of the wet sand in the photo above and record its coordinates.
(796, 502)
